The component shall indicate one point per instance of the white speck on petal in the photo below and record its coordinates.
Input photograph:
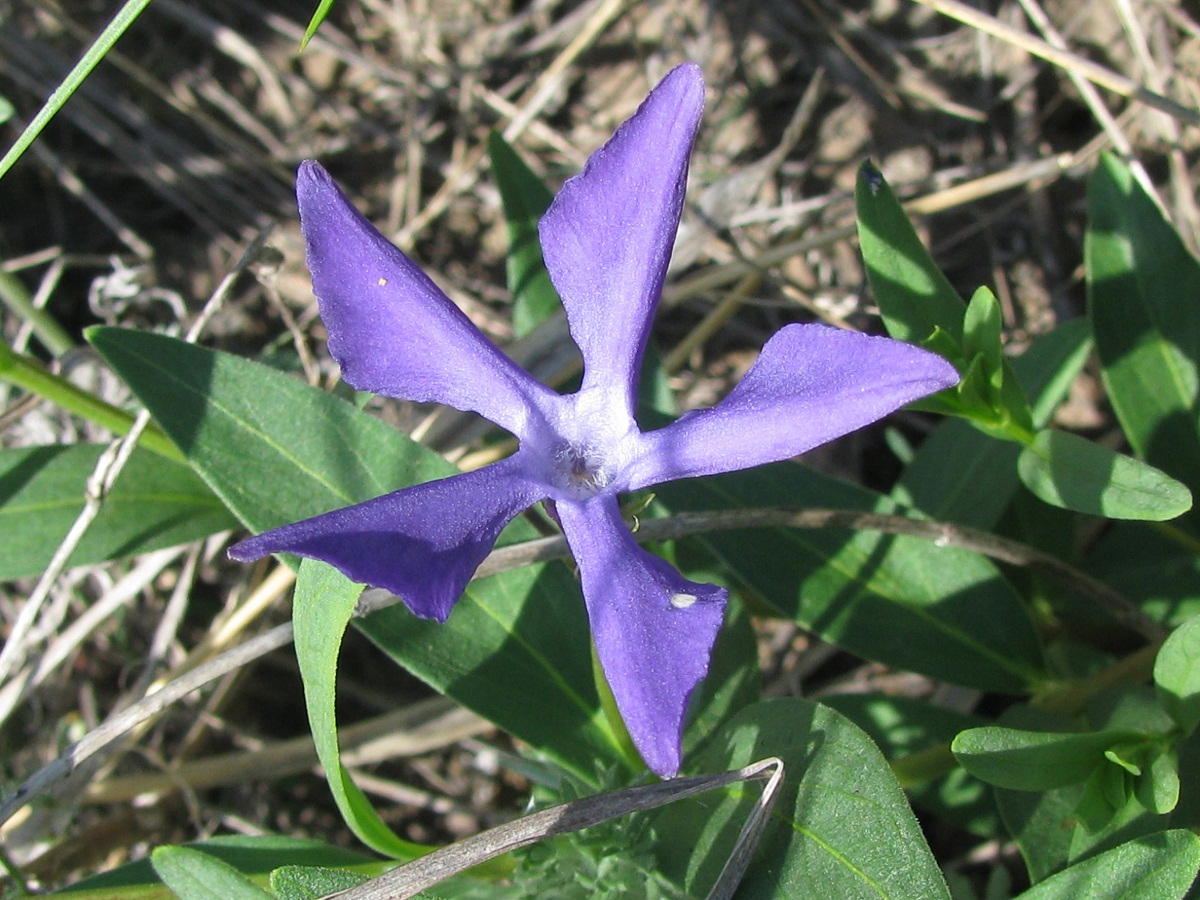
(682, 601)
(382, 282)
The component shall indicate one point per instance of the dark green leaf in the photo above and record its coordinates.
(315, 22)
(913, 295)
(1067, 470)
(194, 875)
(312, 882)
(960, 620)
(1144, 298)
(1034, 760)
(274, 449)
(903, 726)
(521, 635)
(1159, 574)
(1177, 675)
(155, 503)
(1160, 866)
(525, 198)
(842, 828)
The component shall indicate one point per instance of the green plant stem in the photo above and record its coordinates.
(1179, 536)
(14, 295)
(924, 765)
(1068, 698)
(125, 17)
(32, 376)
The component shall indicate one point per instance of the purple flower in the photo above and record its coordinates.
(606, 239)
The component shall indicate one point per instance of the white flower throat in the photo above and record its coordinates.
(589, 447)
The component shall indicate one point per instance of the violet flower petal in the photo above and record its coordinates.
(810, 384)
(607, 236)
(654, 630)
(422, 543)
(391, 329)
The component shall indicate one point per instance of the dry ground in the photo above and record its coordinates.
(181, 148)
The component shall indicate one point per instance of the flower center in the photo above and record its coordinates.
(579, 470)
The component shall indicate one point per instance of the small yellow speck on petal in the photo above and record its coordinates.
(382, 282)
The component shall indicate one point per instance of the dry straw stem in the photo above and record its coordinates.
(108, 469)
(1072, 62)
(530, 104)
(1091, 96)
(411, 731)
(409, 880)
(1028, 174)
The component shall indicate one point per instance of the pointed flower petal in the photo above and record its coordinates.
(422, 543)
(607, 236)
(391, 329)
(654, 629)
(811, 384)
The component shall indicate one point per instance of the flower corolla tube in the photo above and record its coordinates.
(606, 239)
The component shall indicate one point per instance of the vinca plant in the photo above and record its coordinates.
(598, 588)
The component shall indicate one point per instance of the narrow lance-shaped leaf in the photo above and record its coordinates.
(526, 199)
(195, 875)
(961, 620)
(913, 295)
(155, 503)
(1144, 302)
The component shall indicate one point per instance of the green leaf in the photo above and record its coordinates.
(194, 875)
(919, 305)
(904, 726)
(961, 621)
(1149, 568)
(525, 198)
(277, 450)
(324, 601)
(1034, 760)
(982, 327)
(1162, 866)
(1177, 675)
(1144, 301)
(1066, 470)
(1158, 787)
(315, 22)
(155, 503)
(255, 856)
(312, 882)
(840, 829)
(272, 448)
(125, 16)
(913, 295)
